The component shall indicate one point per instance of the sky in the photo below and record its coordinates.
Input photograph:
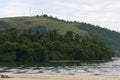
(105, 13)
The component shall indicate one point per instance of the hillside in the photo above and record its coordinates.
(44, 23)
(111, 38)
(41, 22)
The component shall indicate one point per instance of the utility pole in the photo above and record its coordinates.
(42, 12)
(24, 13)
(30, 12)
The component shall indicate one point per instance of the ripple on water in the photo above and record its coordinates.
(106, 68)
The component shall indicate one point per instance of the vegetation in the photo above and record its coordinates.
(45, 23)
(49, 23)
(110, 38)
(4, 24)
(34, 46)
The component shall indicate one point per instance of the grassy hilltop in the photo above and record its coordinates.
(45, 23)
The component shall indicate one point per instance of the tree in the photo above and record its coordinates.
(8, 51)
(69, 36)
(24, 54)
(24, 46)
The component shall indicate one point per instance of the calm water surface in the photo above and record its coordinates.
(104, 68)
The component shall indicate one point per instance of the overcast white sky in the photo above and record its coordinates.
(105, 13)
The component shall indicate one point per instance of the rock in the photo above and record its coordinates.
(4, 76)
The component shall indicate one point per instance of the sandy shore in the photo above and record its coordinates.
(58, 77)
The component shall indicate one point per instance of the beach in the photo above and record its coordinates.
(58, 77)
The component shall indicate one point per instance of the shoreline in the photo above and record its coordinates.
(70, 61)
(57, 77)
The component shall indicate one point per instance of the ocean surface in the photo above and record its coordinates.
(99, 68)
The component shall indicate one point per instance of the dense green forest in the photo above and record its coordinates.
(110, 38)
(35, 46)
(44, 23)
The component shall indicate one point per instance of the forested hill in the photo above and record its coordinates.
(28, 46)
(110, 38)
(45, 23)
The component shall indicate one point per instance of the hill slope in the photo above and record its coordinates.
(43, 23)
(111, 38)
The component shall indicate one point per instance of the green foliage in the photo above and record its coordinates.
(8, 51)
(45, 22)
(110, 38)
(28, 46)
(4, 24)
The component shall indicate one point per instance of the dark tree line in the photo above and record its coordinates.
(34, 46)
(110, 38)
